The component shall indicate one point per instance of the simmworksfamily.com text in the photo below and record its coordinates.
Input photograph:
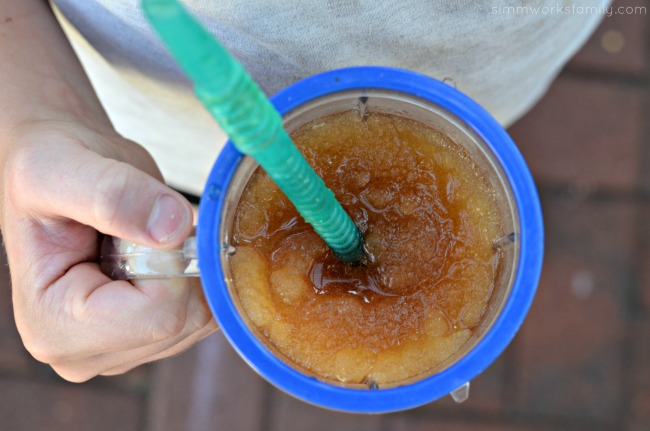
(568, 10)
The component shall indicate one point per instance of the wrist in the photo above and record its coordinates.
(41, 77)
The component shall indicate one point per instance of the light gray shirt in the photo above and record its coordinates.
(502, 54)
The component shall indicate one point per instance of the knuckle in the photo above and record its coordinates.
(73, 374)
(202, 319)
(111, 190)
(168, 326)
(22, 172)
(34, 325)
(167, 305)
(43, 325)
(42, 350)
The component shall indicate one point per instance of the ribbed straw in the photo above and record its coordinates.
(252, 123)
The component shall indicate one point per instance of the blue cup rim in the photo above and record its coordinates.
(492, 344)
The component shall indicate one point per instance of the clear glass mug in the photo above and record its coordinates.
(397, 92)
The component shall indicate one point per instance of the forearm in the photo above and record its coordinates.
(40, 75)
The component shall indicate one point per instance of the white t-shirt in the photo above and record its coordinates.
(502, 55)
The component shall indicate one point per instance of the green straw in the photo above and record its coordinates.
(252, 123)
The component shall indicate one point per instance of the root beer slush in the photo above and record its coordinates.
(430, 221)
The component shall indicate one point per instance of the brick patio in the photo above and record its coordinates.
(580, 362)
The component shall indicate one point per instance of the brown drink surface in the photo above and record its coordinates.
(429, 220)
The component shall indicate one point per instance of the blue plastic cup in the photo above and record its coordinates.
(422, 98)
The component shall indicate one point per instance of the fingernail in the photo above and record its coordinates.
(167, 218)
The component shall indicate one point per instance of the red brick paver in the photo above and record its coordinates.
(27, 405)
(207, 386)
(13, 357)
(584, 133)
(639, 377)
(643, 262)
(288, 413)
(619, 44)
(487, 394)
(571, 357)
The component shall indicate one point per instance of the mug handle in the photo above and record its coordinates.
(125, 260)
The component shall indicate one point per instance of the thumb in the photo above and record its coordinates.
(112, 196)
